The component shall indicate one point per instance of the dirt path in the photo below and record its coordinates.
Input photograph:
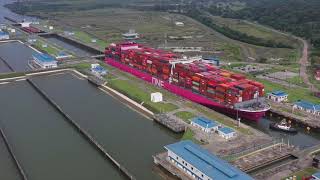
(304, 64)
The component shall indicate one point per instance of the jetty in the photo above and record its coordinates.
(173, 123)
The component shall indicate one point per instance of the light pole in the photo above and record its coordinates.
(238, 118)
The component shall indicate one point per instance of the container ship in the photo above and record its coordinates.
(194, 78)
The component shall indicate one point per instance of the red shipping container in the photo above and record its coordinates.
(238, 76)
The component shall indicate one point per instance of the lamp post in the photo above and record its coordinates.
(238, 118)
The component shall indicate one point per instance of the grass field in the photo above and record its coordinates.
(140, 96)
(189, 135)
(259, 31)
(54, 51)
(87, 38)
(185, 115)
(107, 24)
(255, 30)
(303, 173)
(295, 94)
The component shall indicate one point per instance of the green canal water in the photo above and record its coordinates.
(46, 145)
(128, 136)
(8, 169)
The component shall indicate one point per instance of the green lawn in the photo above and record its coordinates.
(189, 135)
(254, 30)
(11, 75)
(303, 173)
(82, 66)
(297, 80)
(137, 94)
(85, 37)
(185, 115)
(49, 49)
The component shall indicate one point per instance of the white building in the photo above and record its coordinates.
(25, 24)
(205, 124)
(200, 164)
(226, 132)
(131, 35)
(181, 24)
(156, 97)
(4, 36)
(44, 61)
(278, 96)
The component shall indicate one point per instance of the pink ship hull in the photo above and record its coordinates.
(254, 116)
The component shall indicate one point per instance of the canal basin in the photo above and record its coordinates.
(45, 144)
(128, 136)
(77, 51)
(8, 169)
(17, 55)
(302, 139)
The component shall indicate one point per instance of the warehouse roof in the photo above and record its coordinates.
(206, 162)
(204, 122)
(3, 33)
(316, 175)
(43, 57)
(226, 130)
(279, 93)
(308, 105)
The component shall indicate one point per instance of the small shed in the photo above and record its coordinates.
(131, 35)
(98, 70)
(156, 97)
(25, 24)
(206, 125)
(4, 35)
(226, 132)
(278, 96)
(177, 23)
(317, 75)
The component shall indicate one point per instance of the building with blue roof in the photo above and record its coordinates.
(278, 96)
(226, 132)
(316, 176)
(200, 164)
(44, 61)
(98, 70)
(4, 36)
(205, 124)
(307, 106)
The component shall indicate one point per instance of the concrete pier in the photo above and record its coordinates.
(170, 122)
(10, 149)
(83, 132)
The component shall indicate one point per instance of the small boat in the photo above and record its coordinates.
(283, 126)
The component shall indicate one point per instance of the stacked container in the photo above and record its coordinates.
(198, 76)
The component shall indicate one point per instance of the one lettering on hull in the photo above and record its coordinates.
(157, 82)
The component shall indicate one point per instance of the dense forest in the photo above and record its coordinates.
(301, 17)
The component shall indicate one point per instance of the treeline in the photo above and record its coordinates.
(299, 17)
(233, 34)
